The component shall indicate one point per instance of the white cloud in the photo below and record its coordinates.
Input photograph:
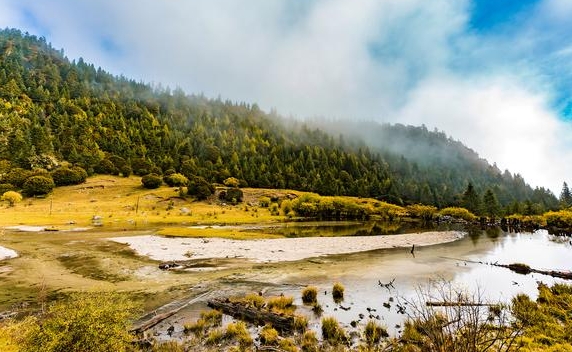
(505, 123)
(396, 60)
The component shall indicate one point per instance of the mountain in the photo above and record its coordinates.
(54, 110)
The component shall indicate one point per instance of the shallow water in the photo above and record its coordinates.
(361, 274)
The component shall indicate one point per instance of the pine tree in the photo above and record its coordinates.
(565, 197)
(471, 200)
(491, 206)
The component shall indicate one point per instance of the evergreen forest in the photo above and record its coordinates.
(55, 111)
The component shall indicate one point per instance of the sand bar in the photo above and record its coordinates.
(276, 250)
(7, 253)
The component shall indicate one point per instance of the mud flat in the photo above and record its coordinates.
(276, 250)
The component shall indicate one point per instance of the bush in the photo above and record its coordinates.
(264, 202)
(151, 181)
(310, 295)
(126, 171)
(85, 322)
(332, 331)
(5, 187)
(176, 180)
(200, 188)
(309, 342)
(106, 167)
(65, 176)
(281, 304)
(338, 292)
(231, 182)
(12, 197)
(38, 185)
(374, 332)
(458, 213)
(232, 195)
(17, 177)
(141, 167)
(424, 212)
(268, 335)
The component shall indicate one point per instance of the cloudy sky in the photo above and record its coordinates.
(494, 74)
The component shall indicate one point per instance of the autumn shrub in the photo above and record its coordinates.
(420, 211)
(231, 182)
(458, 213)
(238, 332)
(254, 300)
(176, 180)
(281, 304)
(300, 323)
(96, 322)
(168, 346)
(151, 181)
(309, 342)
(268, 335)
(12, 197)
(310, 295)
(338, 292)
(332, 331)
(560, 219)
(374, 332)
(38, 185)
(389, 211)
(264, 201)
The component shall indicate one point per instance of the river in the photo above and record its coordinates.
(455, 264)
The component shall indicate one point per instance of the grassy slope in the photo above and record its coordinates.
(115, 199)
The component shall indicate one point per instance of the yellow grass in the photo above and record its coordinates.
(123, 203)
(210, 232)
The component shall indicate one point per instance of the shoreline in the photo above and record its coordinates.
(275, 250)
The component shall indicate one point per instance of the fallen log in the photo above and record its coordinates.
(522, 268)
(458, 304)
(238, 310)
(156, 319)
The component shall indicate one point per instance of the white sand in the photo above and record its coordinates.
(6, 253)
(275, 250)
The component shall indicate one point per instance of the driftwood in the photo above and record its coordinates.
(523, 269)
(156, 319)
(284, 324)
(458, 304)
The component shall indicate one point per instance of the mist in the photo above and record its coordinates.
(395, 61)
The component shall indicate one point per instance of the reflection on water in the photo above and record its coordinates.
(454, 262)
(361, 273)
(349, 228)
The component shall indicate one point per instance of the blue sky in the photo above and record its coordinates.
(495, 74)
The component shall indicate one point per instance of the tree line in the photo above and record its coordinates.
(54, 111)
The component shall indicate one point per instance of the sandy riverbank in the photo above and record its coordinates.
(7, 253)
(275, 250)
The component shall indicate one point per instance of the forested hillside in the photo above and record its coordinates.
(53, 111)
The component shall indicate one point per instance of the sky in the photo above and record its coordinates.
(494, 74)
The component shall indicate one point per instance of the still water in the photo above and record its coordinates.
(455, 263)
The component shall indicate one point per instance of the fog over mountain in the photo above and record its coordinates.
(495, 77)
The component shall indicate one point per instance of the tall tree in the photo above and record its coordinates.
(565, 197)
(491, 206)
(471, 200)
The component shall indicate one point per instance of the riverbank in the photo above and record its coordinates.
(276, 250)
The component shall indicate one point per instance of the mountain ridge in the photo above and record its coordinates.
(71, 111)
